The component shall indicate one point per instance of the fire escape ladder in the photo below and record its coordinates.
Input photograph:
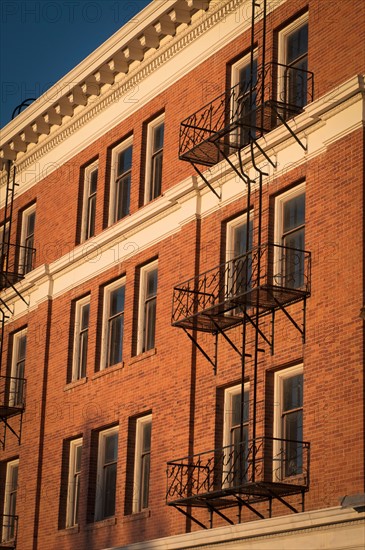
(245, 291)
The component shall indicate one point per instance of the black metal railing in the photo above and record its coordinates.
(8, 530)
(264, 277)
(12, 395)
(15, 262)
(278, 92)
(248, 468)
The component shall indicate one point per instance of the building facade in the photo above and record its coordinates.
(182, 360)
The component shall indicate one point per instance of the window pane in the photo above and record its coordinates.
(125, 160)
(85, 316)
(158, 136)
(116, 301)
(294, 213)
(150, 318)
(91, 217)
(78, 453)
(293, 392)
(93, 182)
(83, 353)
(115, 340)
(156, 175)
(123, 197)
(145, 480)
(30, 223)
(297, 44)
(146, 439)
(111, 448)
(110, 483)
(151, 283)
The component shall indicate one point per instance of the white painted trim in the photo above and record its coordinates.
(141, 422)
(77, 326)
(10, 466)
(100, 464)
(279, 376)
(70, 511)
(88, 170)
(141, 301)
(150, 135)
(104, 337)
(14, 386)
(113, 175)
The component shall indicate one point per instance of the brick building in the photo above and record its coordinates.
(182, 275)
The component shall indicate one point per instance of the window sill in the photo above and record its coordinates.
(143, 514)
(99, 524)
(69, 531)
(75, 384)
(142, 356)
(108, 370)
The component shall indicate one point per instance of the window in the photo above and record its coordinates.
(4, 243)
(17, 381)
(142, 463)
(244, 102)
(81, 336)
(239, 270)
(73, 489)
(293, 56)
(113, 326)
(155, 139)
(10, 496)
(147, 307)
(107, 474)
(235, 442)
(121, 181)
(290, 231)
(288, 423)
(27, 240)
(89, 201)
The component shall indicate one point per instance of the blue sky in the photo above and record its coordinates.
(42, 40)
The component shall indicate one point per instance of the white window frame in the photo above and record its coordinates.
(150, 134)
(100, 478)
(230, 236)
(137, 505)
(141, 305)
(16, 386)
(24, 238)
(73, 487)
(280, 201)
(282, 50)
(114, 175)
(88, 170)
(105, 330)
(227, 419)
(77, 333)
(235, 72)
(6, 535)
(279, 378)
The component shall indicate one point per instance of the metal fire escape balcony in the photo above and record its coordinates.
(8, 531)
(244, 113)
(267, 278)
(244, 474)
(16, 262)
(12, 403)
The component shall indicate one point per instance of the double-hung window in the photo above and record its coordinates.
(293, 58)
(288, 423)
(244, 93)
(81, 337)
(106, 474)
(147, 307)
(17, 380)
(235, 436)
(142, 463)
(121, 181)
(113, 325)
(73, 488)
(10, 497)
(27, 240)
(290, 231)
(154, 157)
(239, 261)
(89, 201)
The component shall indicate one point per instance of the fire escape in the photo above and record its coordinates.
(246, 291)
(16, 260)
